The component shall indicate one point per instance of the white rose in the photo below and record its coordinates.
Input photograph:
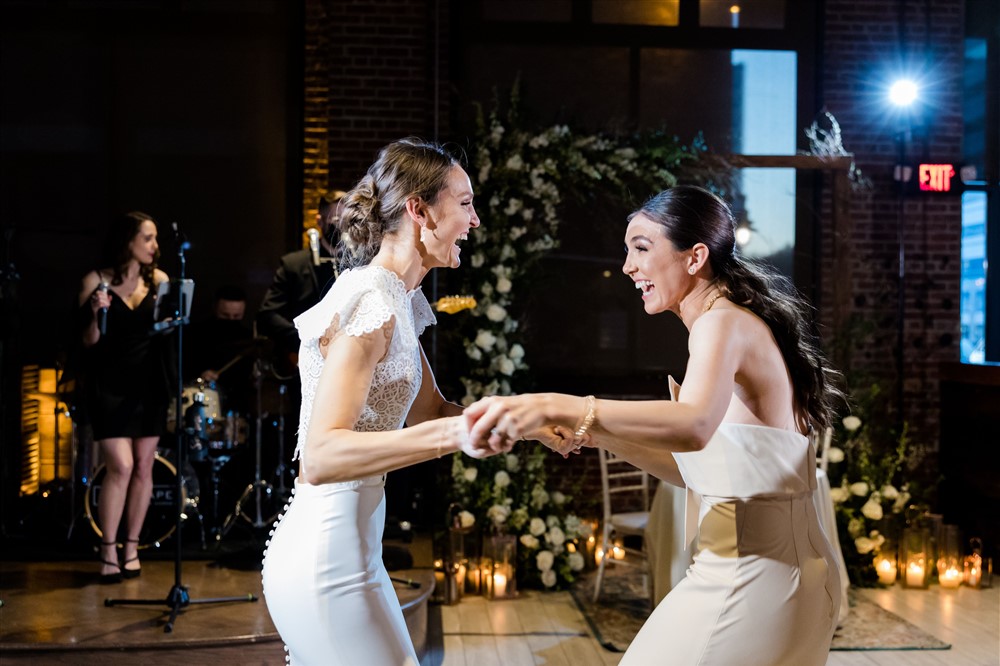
(466, 519)
(840, 494)
(855, 527)
(536, 527)
(516, 352)
(473, 353)
(470, 473)
(506, 366)
(502, 479)
(864, 545)
(872, 509)
(503, 285)
(573, 526)
(900, 502)
(549, 578)
(529, 541)
(496, 312)
(545, 559)
(860, 488)
(485, 340)
(851, 423)
(556, 536)
(558, 497)
(552, 521)
(575, 561)
(477, 260)
(515, 163)
(498, 513)
(877, 538)
(512, 462)
(835, 454)
(889, 492)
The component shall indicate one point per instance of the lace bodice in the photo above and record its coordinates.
(363, 300)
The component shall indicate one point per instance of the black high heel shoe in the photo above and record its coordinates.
(132, 573)
(112, 578)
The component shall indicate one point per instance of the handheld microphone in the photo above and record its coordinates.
(314, 244)
(102, 314)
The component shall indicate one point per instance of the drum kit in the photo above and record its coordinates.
(213, 436)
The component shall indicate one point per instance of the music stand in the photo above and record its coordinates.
(178, 596)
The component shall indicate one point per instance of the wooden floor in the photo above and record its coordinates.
(54, 613)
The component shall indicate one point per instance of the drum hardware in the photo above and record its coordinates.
(265, 501)
(159, 524)
(178, 596)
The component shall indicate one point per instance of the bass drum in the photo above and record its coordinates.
(161, 518)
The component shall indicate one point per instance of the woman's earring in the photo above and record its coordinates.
(423, 232)
(691, 270)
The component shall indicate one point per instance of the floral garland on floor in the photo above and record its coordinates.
(521, 178)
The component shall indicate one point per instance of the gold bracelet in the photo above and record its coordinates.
(588, 418)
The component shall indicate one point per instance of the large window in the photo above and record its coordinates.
(764, 124)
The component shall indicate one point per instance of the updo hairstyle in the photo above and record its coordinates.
(404, 169)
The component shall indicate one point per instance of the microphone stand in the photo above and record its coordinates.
(178, 597)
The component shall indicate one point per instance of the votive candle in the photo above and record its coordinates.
(950, 578)
(886, 570)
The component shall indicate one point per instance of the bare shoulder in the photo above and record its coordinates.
(90, 281)
(159, 276)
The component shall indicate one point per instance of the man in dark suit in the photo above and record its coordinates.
(302, 278)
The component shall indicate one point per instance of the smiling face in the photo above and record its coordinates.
(144, 246)
(449, 220)
(658, 269)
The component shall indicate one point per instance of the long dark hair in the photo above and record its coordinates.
(404, 169)
(116, 254)
(691, 215)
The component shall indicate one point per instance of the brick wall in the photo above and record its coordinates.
(316, 110)
(864, 47)
(381, 60)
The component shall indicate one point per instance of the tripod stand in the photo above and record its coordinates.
(265, 499)
(178, 597)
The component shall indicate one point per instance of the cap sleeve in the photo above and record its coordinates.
(423, 314)
(358, 300)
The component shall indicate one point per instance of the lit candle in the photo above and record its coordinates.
(618, 552)
(499, 585)
(950, 578)
(914, 574)
(886, 569)
(599, 555)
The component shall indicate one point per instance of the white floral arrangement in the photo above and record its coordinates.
(551, 538)
(870, 493)
(521, 178)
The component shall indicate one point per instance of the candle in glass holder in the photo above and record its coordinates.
(915, 573)
(499, 585)
(599, 555)
(886, 570)
(950, 578)
(618, 552)
(973, 570)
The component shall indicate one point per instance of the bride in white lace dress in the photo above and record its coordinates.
(364, 375)
(764, 587)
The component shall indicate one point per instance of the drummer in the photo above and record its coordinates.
(218, 350)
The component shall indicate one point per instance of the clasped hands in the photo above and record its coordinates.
(496, 423)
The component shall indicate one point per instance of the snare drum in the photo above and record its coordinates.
(161, 518)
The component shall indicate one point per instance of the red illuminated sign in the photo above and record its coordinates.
(935, 177)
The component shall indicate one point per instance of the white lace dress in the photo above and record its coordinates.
(326, 588)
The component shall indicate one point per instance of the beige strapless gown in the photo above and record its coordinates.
(764, 587)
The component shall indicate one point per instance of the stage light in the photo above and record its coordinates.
(903, 92)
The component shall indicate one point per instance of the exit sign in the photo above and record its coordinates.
(936, 177)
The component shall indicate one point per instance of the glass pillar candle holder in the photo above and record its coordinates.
(915, 557)
(885, 563)
(950, 567)
(499, 566)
